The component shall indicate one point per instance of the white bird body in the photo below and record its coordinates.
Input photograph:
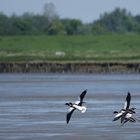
(80, 108)
(128, 115)
(78, 105)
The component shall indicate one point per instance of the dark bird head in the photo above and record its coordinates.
(133, 108)
(115, 112)
(69, 104)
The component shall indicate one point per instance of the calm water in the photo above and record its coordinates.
(32, 106)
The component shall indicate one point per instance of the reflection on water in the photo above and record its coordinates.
(32, 106)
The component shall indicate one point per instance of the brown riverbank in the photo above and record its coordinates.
(70, 67)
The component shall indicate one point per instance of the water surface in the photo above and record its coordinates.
(32, 106)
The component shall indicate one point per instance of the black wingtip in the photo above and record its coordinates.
(67, 119)
(115, 119)
(85, 91)
(68, 116)
(128, 99)
(128, 94)
(82, 95)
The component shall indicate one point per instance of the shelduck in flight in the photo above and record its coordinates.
(77, 105)
(126, 114)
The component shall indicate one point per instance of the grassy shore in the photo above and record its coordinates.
(105, 48)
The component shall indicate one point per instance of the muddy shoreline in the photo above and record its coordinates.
(69, 67)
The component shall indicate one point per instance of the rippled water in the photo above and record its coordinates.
(32, 106)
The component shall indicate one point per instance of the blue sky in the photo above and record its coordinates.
(85, 10)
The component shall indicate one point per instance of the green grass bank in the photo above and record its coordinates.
(105, 48)
(85, 54)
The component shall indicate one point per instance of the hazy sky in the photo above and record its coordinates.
(86, 10)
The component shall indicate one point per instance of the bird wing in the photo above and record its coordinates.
(125, 121)
(136, 119)
(82, 97)
(70, 109)
(77, 102)
(69, 115)
(118, 116)
(127, 102)
(132, 119)
(124, 116)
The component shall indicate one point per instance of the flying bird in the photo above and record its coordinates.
(78, 105)
(128, 117)
(126, 113)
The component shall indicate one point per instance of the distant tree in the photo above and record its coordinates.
(137, 18)
(56, 28)
(99, 29)
(19, 26)
(118, 21)
(49, 12)
(4, 23)
(71, 26)
(53, 23)
(49, 23)
(40, 24)
(84, 29)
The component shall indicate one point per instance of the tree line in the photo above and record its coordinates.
(119, 21)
